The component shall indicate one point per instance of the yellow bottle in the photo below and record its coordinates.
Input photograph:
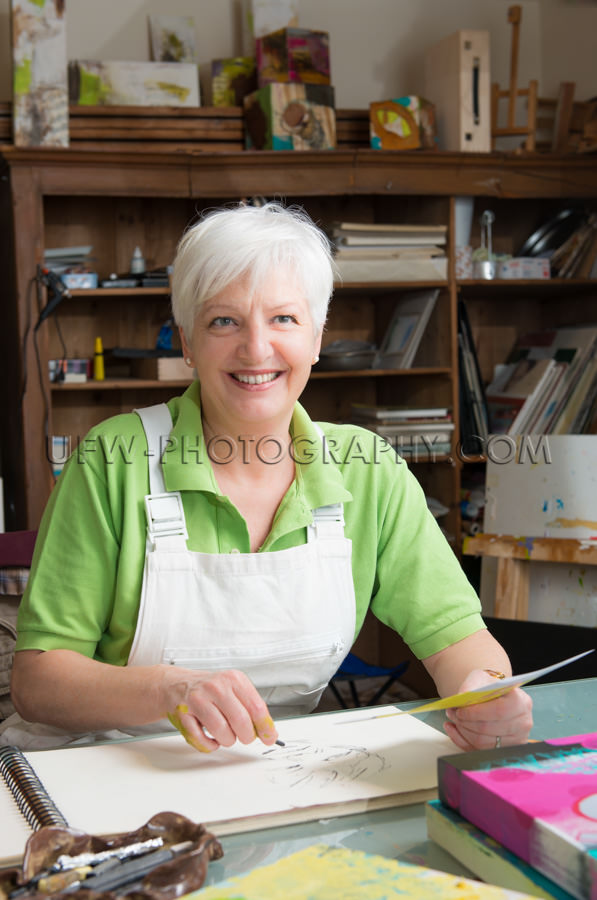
(98, 361)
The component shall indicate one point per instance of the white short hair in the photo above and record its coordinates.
(234, 242)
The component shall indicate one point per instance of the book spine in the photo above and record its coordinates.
(30, 795)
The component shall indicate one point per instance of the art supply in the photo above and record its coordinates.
(482, 694)
(137, 266)
(98, 361)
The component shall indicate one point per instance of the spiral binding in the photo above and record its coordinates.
(30, 795)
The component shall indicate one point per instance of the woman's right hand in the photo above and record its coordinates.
(215, 709)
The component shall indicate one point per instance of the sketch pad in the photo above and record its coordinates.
(322, 770)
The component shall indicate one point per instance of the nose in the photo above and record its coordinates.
(255, 346)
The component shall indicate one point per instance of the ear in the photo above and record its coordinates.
(186, 350)
(317, 344)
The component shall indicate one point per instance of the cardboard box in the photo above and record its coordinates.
(524, 267)
(457, 82)
(293, 55)
(232, 79)
(290, 117)
(404, 123)
(162, 368)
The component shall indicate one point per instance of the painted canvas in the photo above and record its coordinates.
(173, 39)
(232, 79)
(293, 55)
(539, 800)
(110, 83)
(40, 88)
(290, 117)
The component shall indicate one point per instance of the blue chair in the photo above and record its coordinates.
(354, 668)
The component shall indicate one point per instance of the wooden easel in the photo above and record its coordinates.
(515, 556)
(513, 93)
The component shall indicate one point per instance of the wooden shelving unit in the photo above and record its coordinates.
(116, 200)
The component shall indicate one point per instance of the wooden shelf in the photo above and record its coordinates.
(121, 384)
(118, 384)
(480, 288)
(116, 200)
(101, 293)
(381, 373)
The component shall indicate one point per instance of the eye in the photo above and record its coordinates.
(221, 322)
(286, 319)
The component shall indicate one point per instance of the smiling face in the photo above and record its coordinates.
(253, 348)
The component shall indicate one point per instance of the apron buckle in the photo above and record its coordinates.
(165, 515)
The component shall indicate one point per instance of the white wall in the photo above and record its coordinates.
(377, 46)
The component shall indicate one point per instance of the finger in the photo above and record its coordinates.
(191, 729)
(262, 724)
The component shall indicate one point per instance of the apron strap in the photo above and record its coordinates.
(328, 521)
(164, 511)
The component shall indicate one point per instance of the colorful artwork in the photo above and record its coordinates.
(538, 800)
(95, 83)
(291, 55)
(321, 872)
(290, 117)
(232, 79)
(40, 110)
(404, 123)
(173, 38)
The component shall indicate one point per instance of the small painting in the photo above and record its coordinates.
(173, 38)
(111, 83)
(232, 79)
(40, 88)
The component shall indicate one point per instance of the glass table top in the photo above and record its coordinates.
(560, 709)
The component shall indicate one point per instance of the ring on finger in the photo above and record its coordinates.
(498, 742)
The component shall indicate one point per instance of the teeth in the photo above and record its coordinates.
(256, 379)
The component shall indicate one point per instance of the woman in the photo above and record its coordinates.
(206, 564)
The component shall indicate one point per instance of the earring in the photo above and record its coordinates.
(315, 360)
(188, 360)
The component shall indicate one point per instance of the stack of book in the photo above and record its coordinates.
(523, 817)
(548, 384)
(386, 252)
(422, 433)
(577, 256)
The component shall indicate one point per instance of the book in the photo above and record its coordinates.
(390, 227)
(538, 800)
(322, 872)
(162, 368)
(384, 239)
(486, 857)
(404, 333)
(322, 770)
(543, 369)
(392, 269)
(474, 426)
(399, 413)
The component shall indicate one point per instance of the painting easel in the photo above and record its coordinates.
(515, 555)
(511, 129)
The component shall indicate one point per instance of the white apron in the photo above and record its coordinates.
(286, 618)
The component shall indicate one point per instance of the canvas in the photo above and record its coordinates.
(110, 83)
(40, 91)
(173, 38)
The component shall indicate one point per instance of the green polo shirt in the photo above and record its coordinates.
(85, 582)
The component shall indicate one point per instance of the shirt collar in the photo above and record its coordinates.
(186, 463)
